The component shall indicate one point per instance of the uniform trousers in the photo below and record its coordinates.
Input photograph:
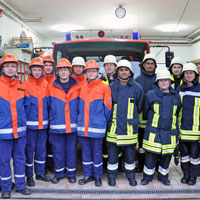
(151, 160)
(64, 148)
(92, 156)
(12, 148)
(36, 150)
(129, 155)
(190, 161)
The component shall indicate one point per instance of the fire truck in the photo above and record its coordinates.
(122, 47)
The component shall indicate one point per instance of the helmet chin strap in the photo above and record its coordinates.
(123, 79)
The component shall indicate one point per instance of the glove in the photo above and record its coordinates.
(176, 161)
(176, 155)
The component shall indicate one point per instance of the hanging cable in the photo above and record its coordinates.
(176, 26)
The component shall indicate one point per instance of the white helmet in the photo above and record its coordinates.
(163, 74)
(149, 56)
(189, 66)
(177, 60)
(110, 59)
(160, 68)
(125, 63)
(78, 61)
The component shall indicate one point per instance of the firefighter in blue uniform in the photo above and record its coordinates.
(14, 103)
(189, 92)
(110, 65)
(127, 96)
(175, 69)
(161, 107)
(146, 80)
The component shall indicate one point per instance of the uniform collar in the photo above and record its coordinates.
(36, 80)
(8, 81)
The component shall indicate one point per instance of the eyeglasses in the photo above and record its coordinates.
(12, 66)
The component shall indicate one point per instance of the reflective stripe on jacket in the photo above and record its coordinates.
(127, 103)
(94, 109)
(161, 132)
(190, 112)
(63, 108)
(14, 104)
(37, 117)
(147, 83)
(176, 82)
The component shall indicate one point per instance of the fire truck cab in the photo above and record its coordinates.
(96, 49)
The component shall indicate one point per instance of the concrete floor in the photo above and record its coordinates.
(154, 190)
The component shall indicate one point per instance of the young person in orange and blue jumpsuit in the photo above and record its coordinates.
(14, 105)
(63, 97)
(161, 108)
(37, 123)
(189, 92)
(94, 111)
(48, 73)
(127, 97)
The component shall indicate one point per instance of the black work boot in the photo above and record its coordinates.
(30, 181)
(85, 180)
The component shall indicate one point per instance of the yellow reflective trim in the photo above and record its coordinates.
(114, 120)
(152, 137)
(156, 115)
(142, 122)
(173, 139)
(174, 117)
(130, 112)
(106, 81)
(195, 126)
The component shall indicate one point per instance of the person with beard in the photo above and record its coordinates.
(127, 99)
(14, 107)
(146, 80)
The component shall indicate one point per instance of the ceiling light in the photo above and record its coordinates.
(171, 27)
(66, 27)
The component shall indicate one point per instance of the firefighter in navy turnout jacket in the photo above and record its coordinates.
(146, 80)
(175, 69)
(110, 65)
(189, 92)
(161, 107)
(127, 96)
(15, 104)
(78, 65)
(48, 73)
(63, 97)
(94, 111)
(37, 123)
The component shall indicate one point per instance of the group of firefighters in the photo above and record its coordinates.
(44, 118)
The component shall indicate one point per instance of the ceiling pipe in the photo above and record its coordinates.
(17, 17)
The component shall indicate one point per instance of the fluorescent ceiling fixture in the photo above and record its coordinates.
(66, 27)
(171, 27)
